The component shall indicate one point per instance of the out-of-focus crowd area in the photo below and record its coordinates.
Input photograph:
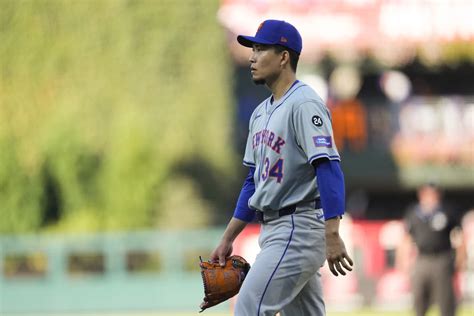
(123, 124)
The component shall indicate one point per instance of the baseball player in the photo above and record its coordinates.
(294, 188)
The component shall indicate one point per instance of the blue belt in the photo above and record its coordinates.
(259, 215)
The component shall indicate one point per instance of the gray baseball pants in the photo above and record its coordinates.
(433, 281)
(284, 277)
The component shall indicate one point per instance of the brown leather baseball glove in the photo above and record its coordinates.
(221, 283)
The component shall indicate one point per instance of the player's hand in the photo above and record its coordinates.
(222, 251)
(336, 255)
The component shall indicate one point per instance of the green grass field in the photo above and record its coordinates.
(365, 312)
(465, 311)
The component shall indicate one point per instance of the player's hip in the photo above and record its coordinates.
(268, 214)
(303, 231)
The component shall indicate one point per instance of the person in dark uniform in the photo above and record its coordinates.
(430, 224)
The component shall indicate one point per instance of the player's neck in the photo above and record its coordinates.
(281, 85)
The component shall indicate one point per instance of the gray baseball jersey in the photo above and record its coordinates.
(285, 137)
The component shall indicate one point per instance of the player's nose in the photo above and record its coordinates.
(252, 58)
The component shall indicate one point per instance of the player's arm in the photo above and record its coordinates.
(242, 210)
(224, 249)
(242, 216)
(330, 181)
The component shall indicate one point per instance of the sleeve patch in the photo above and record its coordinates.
(317, 120)
(322, 141)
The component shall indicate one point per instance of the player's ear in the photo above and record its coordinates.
(285, 58)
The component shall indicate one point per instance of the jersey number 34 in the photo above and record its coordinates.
(275, 171)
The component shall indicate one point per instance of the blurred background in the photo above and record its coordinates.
(122, 130)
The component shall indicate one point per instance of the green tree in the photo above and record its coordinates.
(104, 100)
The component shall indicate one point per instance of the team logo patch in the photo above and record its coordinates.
(317, 120)
(322, 141)
(439, 221)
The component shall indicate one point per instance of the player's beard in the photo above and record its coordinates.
(259, 82)
(267, 79)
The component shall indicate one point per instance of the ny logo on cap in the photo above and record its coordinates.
(260, 26)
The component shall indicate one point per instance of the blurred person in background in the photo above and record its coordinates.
(436, 235)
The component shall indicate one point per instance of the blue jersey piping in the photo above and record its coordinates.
(323, 155)
(248, 164)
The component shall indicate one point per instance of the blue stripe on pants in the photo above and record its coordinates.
(276, 268)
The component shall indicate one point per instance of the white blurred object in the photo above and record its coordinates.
(250, 248)
(450, 116)
(391, 234)
(360, 2)
(345, 82)
(396, 85)
(468, 120)
(318, 84)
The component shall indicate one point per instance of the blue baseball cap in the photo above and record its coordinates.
(274, 32)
